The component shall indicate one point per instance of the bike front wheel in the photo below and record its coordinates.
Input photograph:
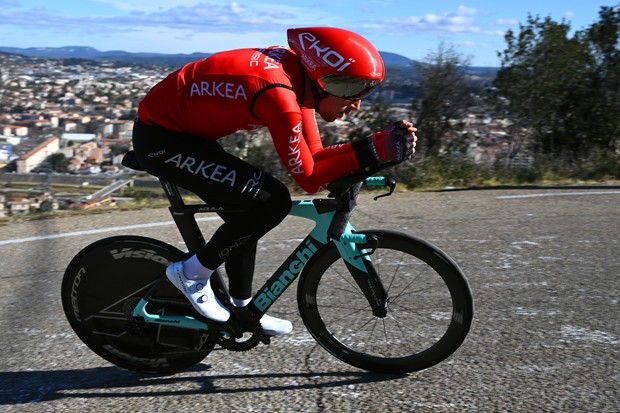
(102, 286)
(429, 306)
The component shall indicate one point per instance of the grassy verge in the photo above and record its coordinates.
(443, 171)
(418, 175)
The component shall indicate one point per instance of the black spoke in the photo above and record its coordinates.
(422, 289)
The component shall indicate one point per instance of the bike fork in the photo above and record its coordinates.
(353, 249)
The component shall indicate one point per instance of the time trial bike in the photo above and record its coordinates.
(379, 300)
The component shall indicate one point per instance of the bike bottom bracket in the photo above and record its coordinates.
(248, 332)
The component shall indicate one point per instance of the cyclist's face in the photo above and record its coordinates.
(332, 107)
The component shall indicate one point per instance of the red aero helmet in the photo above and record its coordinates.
(343, 63)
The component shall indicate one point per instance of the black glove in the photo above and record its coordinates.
(394, 143)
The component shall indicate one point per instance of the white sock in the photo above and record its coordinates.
(194, 270)
(240, 302)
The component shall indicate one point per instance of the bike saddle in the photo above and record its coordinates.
(130, 160)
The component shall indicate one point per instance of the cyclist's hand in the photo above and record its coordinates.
(396, 142)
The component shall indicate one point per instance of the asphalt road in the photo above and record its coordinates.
(543, 265)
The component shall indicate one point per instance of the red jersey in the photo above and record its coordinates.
(247, 89)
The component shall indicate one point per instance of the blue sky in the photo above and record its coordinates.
(474, 28)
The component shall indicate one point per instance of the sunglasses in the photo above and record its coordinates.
(348, 87)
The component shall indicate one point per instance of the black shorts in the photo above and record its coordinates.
(204, 168)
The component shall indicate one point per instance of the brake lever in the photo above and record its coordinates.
(372, 242)
(390, 183)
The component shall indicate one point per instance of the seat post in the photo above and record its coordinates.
(172, 193)
(183, 217)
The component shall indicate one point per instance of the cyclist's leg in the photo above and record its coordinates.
(205, 169)
(240, 270)
(240, 261)
(240, 232)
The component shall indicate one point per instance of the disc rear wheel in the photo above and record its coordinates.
(102, 286)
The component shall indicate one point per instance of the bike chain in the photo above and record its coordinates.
(241, 321)
(246, 324)
(129, 305)
(134, 327)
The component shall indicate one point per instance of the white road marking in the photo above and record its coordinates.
(96, 231)
(558, 194)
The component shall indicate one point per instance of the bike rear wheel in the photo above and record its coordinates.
(100, 289)
(429, 310)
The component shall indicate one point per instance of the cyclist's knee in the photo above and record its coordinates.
(276, 198)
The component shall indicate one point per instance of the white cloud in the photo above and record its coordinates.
(186, 26)
(507, 22)
(459, 20)
(468, 43)
(466, 11)
(427, 23)
(429, 18)
(167, 40)
(187, 14)
(147, 6)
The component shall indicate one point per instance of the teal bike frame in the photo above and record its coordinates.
(324, 212)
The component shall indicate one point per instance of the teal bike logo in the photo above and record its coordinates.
(272, 291)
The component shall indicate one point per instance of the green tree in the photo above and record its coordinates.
(46, 206)
(563, 88)
(118, 148)
(603, 38)
(445, 96)
(59, 162)
(542, 76)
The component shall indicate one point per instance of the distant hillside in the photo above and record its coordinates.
(393, 59)
(83, 52)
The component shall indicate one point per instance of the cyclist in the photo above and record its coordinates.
(325, 71)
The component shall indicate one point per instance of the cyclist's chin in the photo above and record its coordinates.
(330, 116)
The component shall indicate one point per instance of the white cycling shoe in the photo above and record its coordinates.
(198, 292)
(273, 326)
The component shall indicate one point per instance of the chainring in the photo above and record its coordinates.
(250, 333)
(247, 331)
(129, 305)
